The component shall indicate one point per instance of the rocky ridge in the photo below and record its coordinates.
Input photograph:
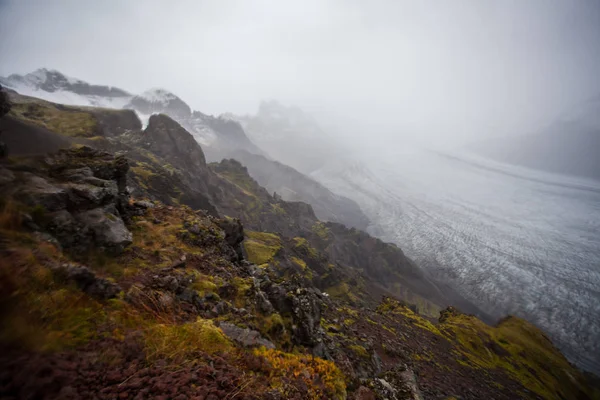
(248, 296)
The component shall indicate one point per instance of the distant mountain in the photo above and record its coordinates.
(569, 145)
(288, 134)
(221, 137)
(292, 185)
(217, 135)
(54, 86)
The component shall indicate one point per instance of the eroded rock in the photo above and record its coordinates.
(244, 336)
(87, 281)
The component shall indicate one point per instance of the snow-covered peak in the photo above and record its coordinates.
(158, 95)
(54, 86)
(157, 101)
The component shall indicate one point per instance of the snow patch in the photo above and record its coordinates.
(157, 95)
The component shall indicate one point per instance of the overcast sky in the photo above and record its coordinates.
(436, 69)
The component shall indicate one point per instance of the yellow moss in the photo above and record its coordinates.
(185, 341)
(391, 306)
(520, 349)
(348, 310)
(204, 285)
(343, 291)
(359, 350)
(143, 172)
(69, 121)
(299, 262)
(242, 286)
(322, 378)
(305, 247)
(321, 230)
(277, 209)
(261, 247)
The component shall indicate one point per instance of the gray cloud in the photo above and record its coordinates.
(430, 69)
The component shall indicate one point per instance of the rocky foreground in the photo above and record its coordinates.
(131, 268)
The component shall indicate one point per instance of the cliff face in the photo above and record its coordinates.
(131, 268)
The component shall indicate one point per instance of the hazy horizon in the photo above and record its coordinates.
(439, 72)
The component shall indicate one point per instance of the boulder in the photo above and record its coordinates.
(37, 191)
(244, 336)
(234, 234)
(399, 383)
(109, 230)
(87, 281)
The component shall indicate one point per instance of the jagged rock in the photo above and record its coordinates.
(109, 230)
(246, 337)
(263, 303)
(306, 308)
(376, 361)
(278, 295)
(221, 308)
(179, 263)
(192, 297)
(364, 393)
(399, 383)
(37, 191)
(234, 234)
(85, 197)
(448, 312)
(87, 281)
(166, 138)
(169, 282)
(143, 204)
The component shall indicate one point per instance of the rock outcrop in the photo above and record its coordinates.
(205, 285)
(79, 197)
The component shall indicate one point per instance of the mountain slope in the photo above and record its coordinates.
(110, 295)
(292, 185)
(221, 137)
(569, 145)
(218, 135)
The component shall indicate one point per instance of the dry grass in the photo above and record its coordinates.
(186, 341)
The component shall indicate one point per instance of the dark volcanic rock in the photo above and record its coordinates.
(81, 194)
(87, 281)
(234, 234)
(245, 337)
(169, 140)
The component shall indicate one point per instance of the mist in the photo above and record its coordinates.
(437, 72)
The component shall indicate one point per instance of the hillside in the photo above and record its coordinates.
(292, 185)
(221, 137)
(132, 268)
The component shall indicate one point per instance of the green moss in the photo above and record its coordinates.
(321, 230)
(343, 291)
(261, 247)
(277, 209)
(68, 121)
(359, 350)
(142, 172)
(204, 286)
(303, 246)
(242, 286)
(517, 347)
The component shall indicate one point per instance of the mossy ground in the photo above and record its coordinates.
(261, 247)
(69, 121)
(47, 314)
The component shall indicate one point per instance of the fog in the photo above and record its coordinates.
(441, 72)
(456, 75)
